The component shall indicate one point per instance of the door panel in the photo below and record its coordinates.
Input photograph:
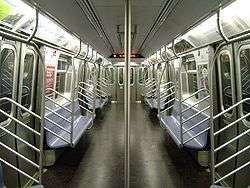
(227, 97)
(27, 78)
(120, 84)
(243, 91)
(8, 86)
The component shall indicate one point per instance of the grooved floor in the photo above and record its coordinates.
(97, 161)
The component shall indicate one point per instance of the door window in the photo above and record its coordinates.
(132, 76)
(245, 79)
(120, 76)
(64, 75)
(7, 64)
(27, 79)
(225, 73)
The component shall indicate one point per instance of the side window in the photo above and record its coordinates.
(145, 74)
(111, 75)
(27, 79)
(132, 76)
(64, 75)
(120, 76)
(225, 73)
(7, 64)
(140, 75)
(189, 75)
(245, 79)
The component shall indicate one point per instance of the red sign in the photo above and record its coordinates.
(50, 78)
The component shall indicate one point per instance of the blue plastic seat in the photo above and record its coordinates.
(172, 124)
(81, 123)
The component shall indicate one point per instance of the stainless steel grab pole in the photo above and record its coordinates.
(127, 51)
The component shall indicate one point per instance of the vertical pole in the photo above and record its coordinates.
(127, 51)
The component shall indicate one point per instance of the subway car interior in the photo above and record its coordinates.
(125, 93)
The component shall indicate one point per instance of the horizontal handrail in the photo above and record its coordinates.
(56, 124)
(57, 135)
(165, 97)
(18, 170)
(193, 137)
(150, 84)
(232, 156)
(20, 139)
(200, 111)
(89, 91)
(165, 90)
(195, 93)
(167, 108)
(231, 124)
(193, 105)
(89, 104)
(19, 122)
(56, 92)
(57, 104)
(19, 155)
(87, 96)
(20, 106)
(233, 172)
(230, 108)
(59, 115)
(84, 107)
(166, 84)
(232, 140)
(196, 125)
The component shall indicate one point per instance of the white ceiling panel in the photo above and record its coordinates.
(144, 13)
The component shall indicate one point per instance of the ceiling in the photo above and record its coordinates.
(101, 23)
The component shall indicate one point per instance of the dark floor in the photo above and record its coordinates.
(97, 161)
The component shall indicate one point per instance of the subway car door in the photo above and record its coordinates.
(227, 97)
(120, 85)
(242, 59)
(8, 87)
(26, 97)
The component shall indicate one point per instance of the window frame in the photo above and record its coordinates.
(222, 107)
(239, 88)
(12, 47)
(119, 72)
(59, 99)
(28, 51)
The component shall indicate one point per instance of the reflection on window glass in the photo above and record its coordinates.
(189, 75)
(111, 75)
(226, 80)
(140, 75)
(145, 74)
(245, 78)
(7, 64)
(120, 76)
(131, 76)
(27, 79)
(64, 75)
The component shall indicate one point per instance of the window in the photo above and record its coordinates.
(120, 76)
(245, 78)
(132, 76)
(189, 75)
(27, 79)
(225, 76)
(111, 75)
(64, 75)
(140, 75)
(7, 64)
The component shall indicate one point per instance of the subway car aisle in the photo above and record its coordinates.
(97, 161)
